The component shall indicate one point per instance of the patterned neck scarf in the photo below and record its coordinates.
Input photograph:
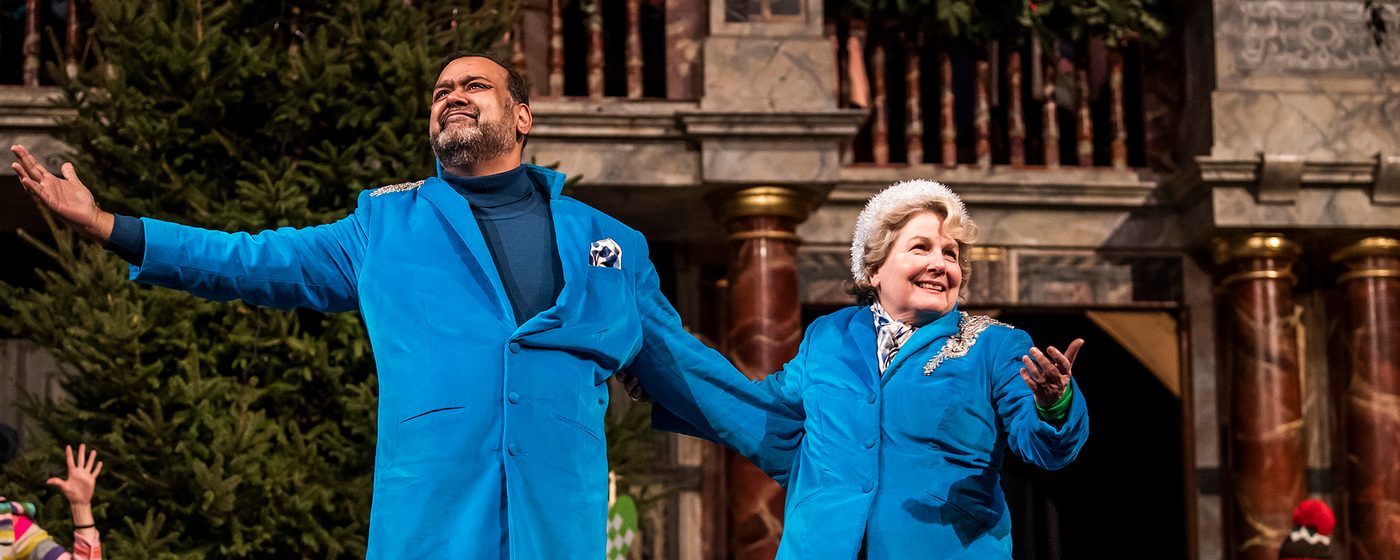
(889, 336)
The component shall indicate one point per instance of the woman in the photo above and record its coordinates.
(21, 539)
(907, 405)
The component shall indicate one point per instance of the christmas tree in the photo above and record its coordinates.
(228, 431)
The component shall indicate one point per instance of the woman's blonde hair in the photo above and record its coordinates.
(893, 208)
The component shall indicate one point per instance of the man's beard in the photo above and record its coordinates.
(463, 145)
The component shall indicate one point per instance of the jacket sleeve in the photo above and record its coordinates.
(84, 549)
(1032, 439)
(699, 393)
(315, 267)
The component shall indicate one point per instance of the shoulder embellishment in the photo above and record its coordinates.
(969, 326)
(396, 188)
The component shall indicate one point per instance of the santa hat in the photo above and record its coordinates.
(1312, 532)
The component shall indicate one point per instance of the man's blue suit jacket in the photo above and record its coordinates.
(491, 439)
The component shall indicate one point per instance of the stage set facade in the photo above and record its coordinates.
(1217, 214)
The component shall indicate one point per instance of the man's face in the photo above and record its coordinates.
(473, 117)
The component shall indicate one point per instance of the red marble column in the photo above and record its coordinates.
(1266, 461)
(765, 328)
(1372, 329)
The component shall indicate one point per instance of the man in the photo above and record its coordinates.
(497, 309)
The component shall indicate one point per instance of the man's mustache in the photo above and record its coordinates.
(461, 109)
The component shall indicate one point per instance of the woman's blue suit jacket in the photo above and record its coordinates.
(906, 461)
(491, 439)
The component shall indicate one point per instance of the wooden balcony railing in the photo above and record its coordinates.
(1008, 103)
(25, 45)
(632, 49)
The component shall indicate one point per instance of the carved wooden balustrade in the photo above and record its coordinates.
(27, 32)
(631, 49)
(1015, 102)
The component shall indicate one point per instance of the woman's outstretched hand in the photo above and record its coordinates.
(1048, 373)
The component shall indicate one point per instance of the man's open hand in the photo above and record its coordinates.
(66, 196)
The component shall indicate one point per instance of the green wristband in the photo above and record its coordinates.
(1058, 411)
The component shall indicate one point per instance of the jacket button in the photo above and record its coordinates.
(602, 401)
(868, 488)
(515, 348)
(514, 397)
(869, 444)
(870, 399)
(514, 449)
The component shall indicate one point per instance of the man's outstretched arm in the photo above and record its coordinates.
(66, 196)
(312, 267)
(700, 393)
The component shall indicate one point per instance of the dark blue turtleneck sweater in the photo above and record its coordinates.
(508, 207)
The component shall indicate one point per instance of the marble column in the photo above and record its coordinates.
(765, 328)
(1265, 459)
(1371, 284)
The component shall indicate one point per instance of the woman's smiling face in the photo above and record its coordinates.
(920, 278)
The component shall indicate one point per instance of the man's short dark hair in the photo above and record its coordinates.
(515, 83)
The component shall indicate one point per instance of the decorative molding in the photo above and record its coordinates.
(1280, 177)
(1246, 172)
(32, 109)
(1387, 184)
(608, 119)
(839, 124)
(1273, 176)
(662, 120)
(999, 185)
(1301, 36)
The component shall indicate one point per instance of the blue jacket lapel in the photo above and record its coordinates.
(572, 248)
(933, 334)
(459, 215)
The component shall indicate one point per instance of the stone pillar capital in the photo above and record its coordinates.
(764, 201)
(1258, 245)
(1372, 257)
(1259, 256)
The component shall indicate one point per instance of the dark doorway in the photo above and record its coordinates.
(1124, 495)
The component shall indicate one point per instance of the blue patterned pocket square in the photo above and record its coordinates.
(605, 253)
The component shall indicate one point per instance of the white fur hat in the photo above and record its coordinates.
(918, 192)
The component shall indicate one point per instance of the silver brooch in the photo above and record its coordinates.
(969, 326)
(396, 188)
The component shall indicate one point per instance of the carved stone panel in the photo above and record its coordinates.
(1289, 36)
